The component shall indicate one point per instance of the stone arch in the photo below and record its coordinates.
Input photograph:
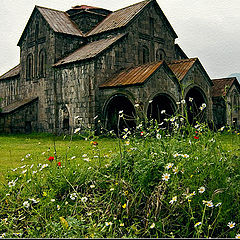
(116, 103)
(161, 106)
(195, 99)
(42, 63)
(160, 54)
(64, 118)
(29, 67)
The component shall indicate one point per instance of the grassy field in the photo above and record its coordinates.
(149, 183)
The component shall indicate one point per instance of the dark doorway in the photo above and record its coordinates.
(115, 105)
(196, 106)
(28, 127)
(160, 108)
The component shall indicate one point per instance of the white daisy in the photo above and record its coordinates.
(201, 190)
(165, 176)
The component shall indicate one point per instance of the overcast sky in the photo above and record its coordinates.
(207, 29)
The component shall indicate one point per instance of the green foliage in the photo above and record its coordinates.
(181, 182)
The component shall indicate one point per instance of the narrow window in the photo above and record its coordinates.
(145, 55)
(160, 55)
(42, 63)
(29, 65)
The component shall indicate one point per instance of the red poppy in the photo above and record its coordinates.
(196, 137)
(59, 164)
(51, 158)
(196, 131)
(95, 143)
(141, 133)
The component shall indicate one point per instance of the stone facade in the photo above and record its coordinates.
(68, 61)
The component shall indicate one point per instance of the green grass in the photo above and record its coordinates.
(118, 190)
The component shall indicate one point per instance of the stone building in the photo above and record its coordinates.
(89, 62)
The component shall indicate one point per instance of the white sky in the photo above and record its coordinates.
(207, 29)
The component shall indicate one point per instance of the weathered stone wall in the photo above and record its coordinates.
(219, 112)
(23, 120)
(196, 78)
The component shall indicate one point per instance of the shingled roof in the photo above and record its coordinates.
(133, 76)
(89, 50)
(119, 18)
(58, 21)
(16, 105)
(181, 67)
(14, 72)
(221, 86)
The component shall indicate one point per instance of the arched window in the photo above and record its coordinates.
(160, 55)
(235, 102)
(29, 67)
(42, 63)
(145, 54)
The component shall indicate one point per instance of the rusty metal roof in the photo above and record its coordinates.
(119, 18)
(59, 21)
(133, 76)
(221, 86)
(89, 50)
(15, 105)
(11, 73)
(181, 67)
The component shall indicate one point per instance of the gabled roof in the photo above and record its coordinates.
(11, 73)
(16, 105)
(221, 86)
(89, 50)
(134, 76)
(58, 21)
(119, 18)
(182, 67)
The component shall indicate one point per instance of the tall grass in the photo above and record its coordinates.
(176, 181)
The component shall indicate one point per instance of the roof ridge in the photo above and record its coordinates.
(132, 5)
(227, 78)
(184, 60)
(9, 71)
(50, 9)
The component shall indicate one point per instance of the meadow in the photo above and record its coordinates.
(150, 183)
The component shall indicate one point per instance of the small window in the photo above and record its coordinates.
(42, 63)
(29, 67)
(160, 55)
(145, 55)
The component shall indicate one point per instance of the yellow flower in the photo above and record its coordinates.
(64, 222)
(44, 194)
(124, 205)
(126, 192)
(121, 224)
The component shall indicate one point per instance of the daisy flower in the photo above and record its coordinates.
(165, 176)
(218, 204)
(237, 236)
(175, 170)
(174, 199)
(231, 224)
(209, 204)
(152, 225)
(201, 190)
(197, 224)
(26, 204)
(169, 165)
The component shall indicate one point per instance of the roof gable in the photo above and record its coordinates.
(14, 72)
(223, 85)
(89, 50)
(135, 76)
(119, 18)
(58, 21)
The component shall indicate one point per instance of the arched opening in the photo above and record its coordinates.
(161, 107)
(160, 55)
(42, 63)
(196, 105)
(145, 55)
(115, 105)
(29, 67)
(64, 118)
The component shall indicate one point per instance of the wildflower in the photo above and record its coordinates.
(150, 101)
(195, 137)
(163, 111)
(86, 159)
(52, 200)
(201, 190)
(59, 164)
(183, 101)
(178, 103)
(77, 130)
(209, 204)
(190, 99)
(84, 155)
(176, 155)
(26, 204)
(231, 224)
(124, 205)
(43, 153)
(34, 172)
(66, 203)
(24, 171)
(165, 176)
(23, 166)
(197, 224)
(73, 157)
(127, 143)
(121, 224)
(17, 234)
(222, 128)
(152, 225)
(31, 166)
(141, 133)
(12, 183)
(174, 199)
(172, 119)
(120, 112)
(158, 136)
(92, 186)
(108, 224)
(58, 207)
(44, 194)
(169, 165)
(50, 158)
(136, 105)
(3, 235)
(84, 199)
(185, 155)
(28, 155)
(175, 170)
(64, 222)
(125, 129)
(94, 143)
(237, 236)
(73, 196)
(111, 189)
(203, 106)
(95, 117)
(218, 204)
(15, 169)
